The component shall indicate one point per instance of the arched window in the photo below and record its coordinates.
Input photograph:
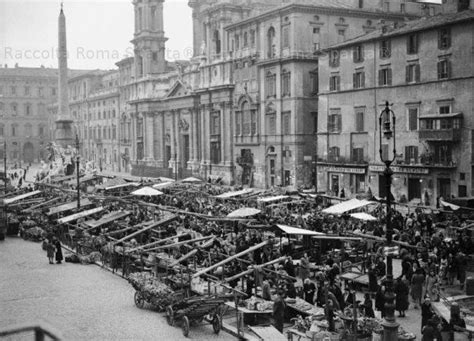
(271, 46)
(342, 20)
(217, 42)
(270, 84)
(245, 109)
(14, 109)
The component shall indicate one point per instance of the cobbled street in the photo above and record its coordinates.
(83, 302)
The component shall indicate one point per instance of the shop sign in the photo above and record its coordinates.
(352, 170)
(397, 169)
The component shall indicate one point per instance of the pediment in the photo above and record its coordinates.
(178, 90)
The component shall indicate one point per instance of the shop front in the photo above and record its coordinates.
(346, 180)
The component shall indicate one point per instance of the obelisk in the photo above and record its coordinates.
(64, 134)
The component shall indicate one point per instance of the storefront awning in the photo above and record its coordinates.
(80, 215)
(274, 198)
(346, 206)
(69, 206)
(163, 185)
(233, 194)
(298, 231)
(108, 218)
(128, 184)
(20, 197)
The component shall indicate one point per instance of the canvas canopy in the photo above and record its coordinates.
(274, 198)
(191, 180)
(20, 197)
(363, 216)
(244, 212)
(346, 206)
(163, 185)
(451, 206)
(128, 184)
(69, 206)
(298, 231)
(147, 191)
(79, 215)
(234, 194)
(165, 179)
(107, 218)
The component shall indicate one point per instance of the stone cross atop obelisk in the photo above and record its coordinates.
(64, 134)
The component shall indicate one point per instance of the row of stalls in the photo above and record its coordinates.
(191, 273)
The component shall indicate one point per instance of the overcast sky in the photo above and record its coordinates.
(98, 32)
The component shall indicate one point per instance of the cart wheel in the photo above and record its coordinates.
(185, 326)
(139, 300)
(216, 324)
(169, 316)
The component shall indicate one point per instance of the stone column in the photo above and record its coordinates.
(148, 123)
(224, 126)
(208, 40)
(133, 137)
(158, 139)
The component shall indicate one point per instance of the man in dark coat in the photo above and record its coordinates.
(279, 311)
(401, 297)
(309, 289)
(59, 252)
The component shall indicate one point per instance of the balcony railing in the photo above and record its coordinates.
(447, 135)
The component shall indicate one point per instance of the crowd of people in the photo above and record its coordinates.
(431, 258)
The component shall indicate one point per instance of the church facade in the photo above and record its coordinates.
(244, 109)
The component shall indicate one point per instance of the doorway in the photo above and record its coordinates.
(335, 184)
(444, 188)
(271, 174)
(414, 189)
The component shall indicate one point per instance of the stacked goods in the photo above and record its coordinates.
(153, 290)
(90, 258)
(258, 304)
(35, 234)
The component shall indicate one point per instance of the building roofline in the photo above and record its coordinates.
(378, 34)
(353, 12)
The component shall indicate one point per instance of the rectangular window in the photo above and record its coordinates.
(53, 91)
(385, 76)
(286, 123)
(314, 78)
(358, 79)
(286, 36)
(412, 119)
(444, 68)
(13, 130)
(215, 123)
(238, 120)
(14, 109)
(412, 44)
(335, 83)
(411, 155)
(358, 54)
(253, 122)
(271, 85)
(444, 38)
(27, 90)
(385, 49)
(334, 58)
(27, 109)
(462, 191)
(2, 131)
(13, 90)
(40, 92)
(314, 115)
(252, 38)
(286, 84)
(385, 151)
(444, 109)
(462, 176)
(357, 155)
(413, 73)
(359, 116)
(335, 122)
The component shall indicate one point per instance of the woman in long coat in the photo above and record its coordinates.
(417, 284)
(59, 252)
(401, 297)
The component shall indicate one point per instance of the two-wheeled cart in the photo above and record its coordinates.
(195, 310)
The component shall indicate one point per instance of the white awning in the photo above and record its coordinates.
(128, 184)
(79, 215)
(244, 212)
(69, 206)
(163, 185)
(346, 206)
(234, 193)
(191, 180)
(363, 216)
(20, 197)
(298, 231)
(451, 206)
(147, 191)
(275, 198)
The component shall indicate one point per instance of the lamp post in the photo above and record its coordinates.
(77, 173)
(387, 128)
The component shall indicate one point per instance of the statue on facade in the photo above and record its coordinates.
(202, 50)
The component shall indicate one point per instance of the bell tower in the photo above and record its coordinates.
(149, 38)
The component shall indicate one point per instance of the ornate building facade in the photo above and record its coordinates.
(244, 109)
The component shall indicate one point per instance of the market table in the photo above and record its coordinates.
(314, 311)
(241, 311)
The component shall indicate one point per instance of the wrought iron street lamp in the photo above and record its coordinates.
(77, 173)
(387, 132)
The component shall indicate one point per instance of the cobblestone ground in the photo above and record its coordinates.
(84, 302)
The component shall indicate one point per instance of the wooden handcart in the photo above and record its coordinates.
(195, 310)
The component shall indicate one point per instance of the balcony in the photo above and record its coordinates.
(441, 135)
(441, 128)
(339, 160)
